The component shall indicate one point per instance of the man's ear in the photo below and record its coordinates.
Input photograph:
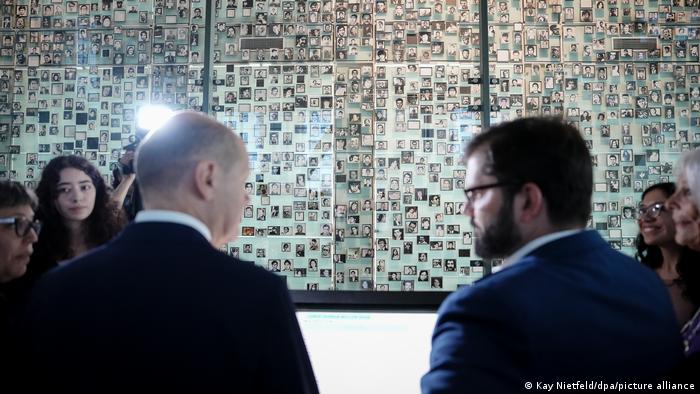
(531, 202)
(204, 179)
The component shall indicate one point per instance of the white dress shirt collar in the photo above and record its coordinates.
(158, 215)
(534, 244)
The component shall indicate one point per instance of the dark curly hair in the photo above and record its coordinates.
(103, 224)
(688, 265)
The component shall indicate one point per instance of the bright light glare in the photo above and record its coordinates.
(150, 117)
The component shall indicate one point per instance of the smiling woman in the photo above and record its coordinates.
(657, 249)
(77, 213)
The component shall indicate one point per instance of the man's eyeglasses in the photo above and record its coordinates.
(22, 225)
(474, 192)
(650, 212)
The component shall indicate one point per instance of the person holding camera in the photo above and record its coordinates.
(126, 191)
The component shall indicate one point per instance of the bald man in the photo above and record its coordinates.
(160, 308)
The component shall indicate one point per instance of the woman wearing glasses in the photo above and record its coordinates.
(18, 231)
(76, 211)
(657, 249)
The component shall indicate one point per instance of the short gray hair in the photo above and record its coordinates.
(173, 149)
(689, 167)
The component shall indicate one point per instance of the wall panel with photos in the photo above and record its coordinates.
(355, 112)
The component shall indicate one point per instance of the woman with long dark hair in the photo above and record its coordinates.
(656, 248)
(76, 210)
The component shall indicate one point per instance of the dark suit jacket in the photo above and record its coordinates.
(160, 309)
(571, 309)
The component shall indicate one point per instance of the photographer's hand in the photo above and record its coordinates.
(127, 158)
(120, 192)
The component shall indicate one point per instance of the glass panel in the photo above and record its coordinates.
(626, 73)
(355, 112)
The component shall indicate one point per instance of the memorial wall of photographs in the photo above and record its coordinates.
(625, 71)
(73, 75)
(355, 112)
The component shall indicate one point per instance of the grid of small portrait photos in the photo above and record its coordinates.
(626, 72)
(73, 75)
(355, 112)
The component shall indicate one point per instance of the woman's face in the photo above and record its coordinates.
(658, 230)
(685, 215)
(15, 250)
(76, 195)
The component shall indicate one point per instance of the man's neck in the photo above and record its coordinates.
(538, 239)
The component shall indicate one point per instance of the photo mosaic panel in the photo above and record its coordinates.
(355, 112)
(624, 71)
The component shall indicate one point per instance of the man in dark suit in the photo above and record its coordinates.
(159, 308)
(564, 306)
